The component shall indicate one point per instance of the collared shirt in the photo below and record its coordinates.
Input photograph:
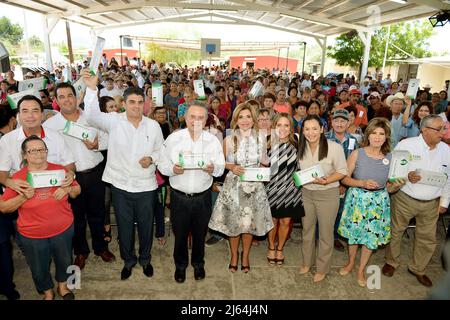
(10, 149)
(333, 162)
(84, 158)
(126, 146)
(347, 144)
(396, 124)
(191, 181)
(437, 160)
(110, 93)
(361, 117)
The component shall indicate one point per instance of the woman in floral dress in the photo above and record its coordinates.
(242, 209)
(366, 217)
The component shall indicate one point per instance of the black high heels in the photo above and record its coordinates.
(246, 268)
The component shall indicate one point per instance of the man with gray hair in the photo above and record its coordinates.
(424, 197)
(190, 158)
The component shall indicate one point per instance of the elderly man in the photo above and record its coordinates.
(419, 199)
(134, 143)
(396, 103)
(338, 134)
(191, 188)
(89, 207)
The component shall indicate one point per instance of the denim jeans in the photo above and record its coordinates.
(40, 252)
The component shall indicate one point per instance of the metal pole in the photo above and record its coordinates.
(140, 56)
(69, 43)
(278, 61)
(386, 49)
(304, 55)
(121, 54)
(287, 59)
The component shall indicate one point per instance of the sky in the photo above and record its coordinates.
(32, 24)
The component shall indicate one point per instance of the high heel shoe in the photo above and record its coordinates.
(280, 261)
(233, 268)
(272, 261)
(246, 268)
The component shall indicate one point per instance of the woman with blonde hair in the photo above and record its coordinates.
(366, 216)
(242, 209)
(285, 198)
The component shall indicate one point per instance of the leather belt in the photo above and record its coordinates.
(88, 170)
(419, 199)
(191, 195)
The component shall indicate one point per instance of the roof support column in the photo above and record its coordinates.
(366, 39)
(324, 55)
(48, 26)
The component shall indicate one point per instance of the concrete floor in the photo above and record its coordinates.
(100, 280)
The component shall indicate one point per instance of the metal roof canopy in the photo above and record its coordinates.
(312, 18)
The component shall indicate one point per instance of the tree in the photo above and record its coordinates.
(411, 37)
(9, 32)
(180, 56)
(36, 44)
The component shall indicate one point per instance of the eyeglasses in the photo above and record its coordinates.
(36, 151)
(441, 129)
(263, 119)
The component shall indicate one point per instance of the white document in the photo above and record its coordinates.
(13, 99)
(46, 179)
(79, 131)
(80, 87)
(157, 94)
(351, 144)
(399, 165)
(96, 55)
(257, 90)
(193, 160)
(413, 87)
(256, 174)
(432, 178)
(199, 89)
(33, 84)
(305, 176)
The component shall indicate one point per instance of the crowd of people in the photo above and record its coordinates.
(192, 156)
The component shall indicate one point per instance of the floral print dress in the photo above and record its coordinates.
(242, 207)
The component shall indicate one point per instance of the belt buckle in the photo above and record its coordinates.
(190, 194)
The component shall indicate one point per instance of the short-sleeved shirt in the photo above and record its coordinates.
(285, 107)
(42, 216)
(10, 146)
(333, 162)
(347, 144)
(361, 117)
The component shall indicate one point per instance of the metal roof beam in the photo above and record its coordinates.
(327, 8)
(303, 4)
(388, 12)
(436, 4)
(140, 4)
(82, 6)
(303, 15)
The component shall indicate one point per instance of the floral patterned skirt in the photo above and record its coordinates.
(366, 218)
(241, 207)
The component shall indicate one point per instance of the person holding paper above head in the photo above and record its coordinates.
(31, 112)
(321, 196)
(134, 142)
(45, 223)
(425, 195)
(85, 143)
(411, 123)
(242, 209)
(190, 158)
(366, 216)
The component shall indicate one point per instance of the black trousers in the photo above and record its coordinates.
(190, 215)
(6, 268)
(89, 208)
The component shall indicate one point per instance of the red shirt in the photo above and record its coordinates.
(285, 107)
(361, 117)
(42, 216)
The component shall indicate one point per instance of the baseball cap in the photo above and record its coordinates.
(355, 91)
(340, 113)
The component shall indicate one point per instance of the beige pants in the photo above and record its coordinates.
(404, 208)
(322, 207)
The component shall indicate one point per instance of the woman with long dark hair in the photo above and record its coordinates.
(321, 196)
